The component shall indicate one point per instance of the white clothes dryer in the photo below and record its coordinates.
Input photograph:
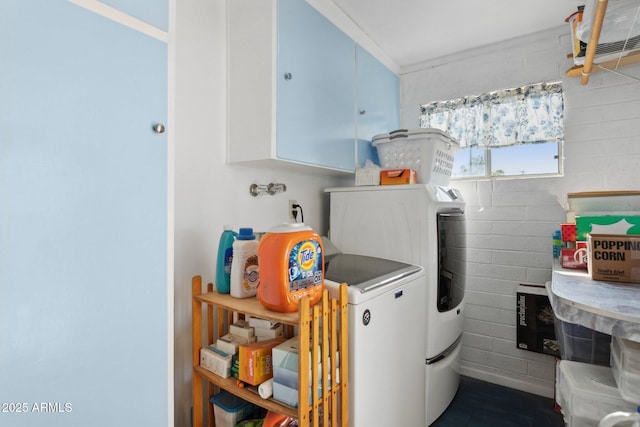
(423, 225)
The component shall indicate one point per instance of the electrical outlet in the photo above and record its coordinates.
(292, 210)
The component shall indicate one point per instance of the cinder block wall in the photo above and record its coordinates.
(510, 221)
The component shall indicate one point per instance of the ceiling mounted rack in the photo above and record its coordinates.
(613, 33)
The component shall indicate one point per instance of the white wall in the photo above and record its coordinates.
(210, 193)
(511, 220)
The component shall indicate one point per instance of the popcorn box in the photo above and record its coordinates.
(614, 257)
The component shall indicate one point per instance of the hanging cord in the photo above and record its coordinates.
(297, 208)
(615, 71)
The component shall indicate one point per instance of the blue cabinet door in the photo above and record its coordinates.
(83, 219)
(378, 102)
(153, 12)
(315, 89)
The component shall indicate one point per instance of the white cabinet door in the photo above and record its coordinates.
(83, 219)
(378, 102)
(315, 81)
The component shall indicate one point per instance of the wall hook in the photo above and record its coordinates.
(271, 189)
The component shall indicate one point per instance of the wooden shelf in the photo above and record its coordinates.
(322, 331)
(250, 306)
(230, 384)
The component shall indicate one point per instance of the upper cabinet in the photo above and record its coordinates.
(296, 86)
(378, 103)
(315, 89)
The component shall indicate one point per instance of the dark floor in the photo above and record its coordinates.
(482, 404)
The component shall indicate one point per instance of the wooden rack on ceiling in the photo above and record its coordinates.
(587, 68)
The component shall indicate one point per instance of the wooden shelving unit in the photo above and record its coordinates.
(624, 57)
(323, 326)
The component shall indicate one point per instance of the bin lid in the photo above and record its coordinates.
(588, 389)
(411, 134)
(227, 401)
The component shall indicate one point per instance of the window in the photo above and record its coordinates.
(503, 133)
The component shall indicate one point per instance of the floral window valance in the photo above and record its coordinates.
(526, 115)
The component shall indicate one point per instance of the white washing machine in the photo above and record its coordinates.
(423, 225)
(386, 348)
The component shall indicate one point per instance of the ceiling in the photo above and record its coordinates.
(412, 31)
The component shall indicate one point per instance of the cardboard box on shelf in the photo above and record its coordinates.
(574, 257)
(606, 224)
(216, 361)
(604, 201)
(242, 329)
(614, 257)
(257, 322)
(229, 343)
(276, 330)
(255, 363)
(568, 232)
(397, 177)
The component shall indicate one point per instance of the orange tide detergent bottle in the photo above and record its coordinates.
(291, 264)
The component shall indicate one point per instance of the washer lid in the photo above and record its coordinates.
(364, 272)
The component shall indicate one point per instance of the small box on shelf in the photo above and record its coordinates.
(606, 224)
(255, 361)
(574, 257)
(216, 361)
(241, 328)
(276, 330)
(568, 232)
(229, 343)
(257, 322)
(397, 177)
(614, 258)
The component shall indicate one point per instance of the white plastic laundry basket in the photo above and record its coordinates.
(429, 152)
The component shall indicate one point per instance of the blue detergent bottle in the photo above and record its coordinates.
(225, 256)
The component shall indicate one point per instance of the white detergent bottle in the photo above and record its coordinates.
(620, 418)
(244, 267)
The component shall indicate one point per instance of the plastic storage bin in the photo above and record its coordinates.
(429, 152)
(625, 364)
(229, 409)
(586, 393)
(628, 354)
(580, 344)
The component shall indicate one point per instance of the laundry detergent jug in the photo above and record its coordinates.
(291, 265)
